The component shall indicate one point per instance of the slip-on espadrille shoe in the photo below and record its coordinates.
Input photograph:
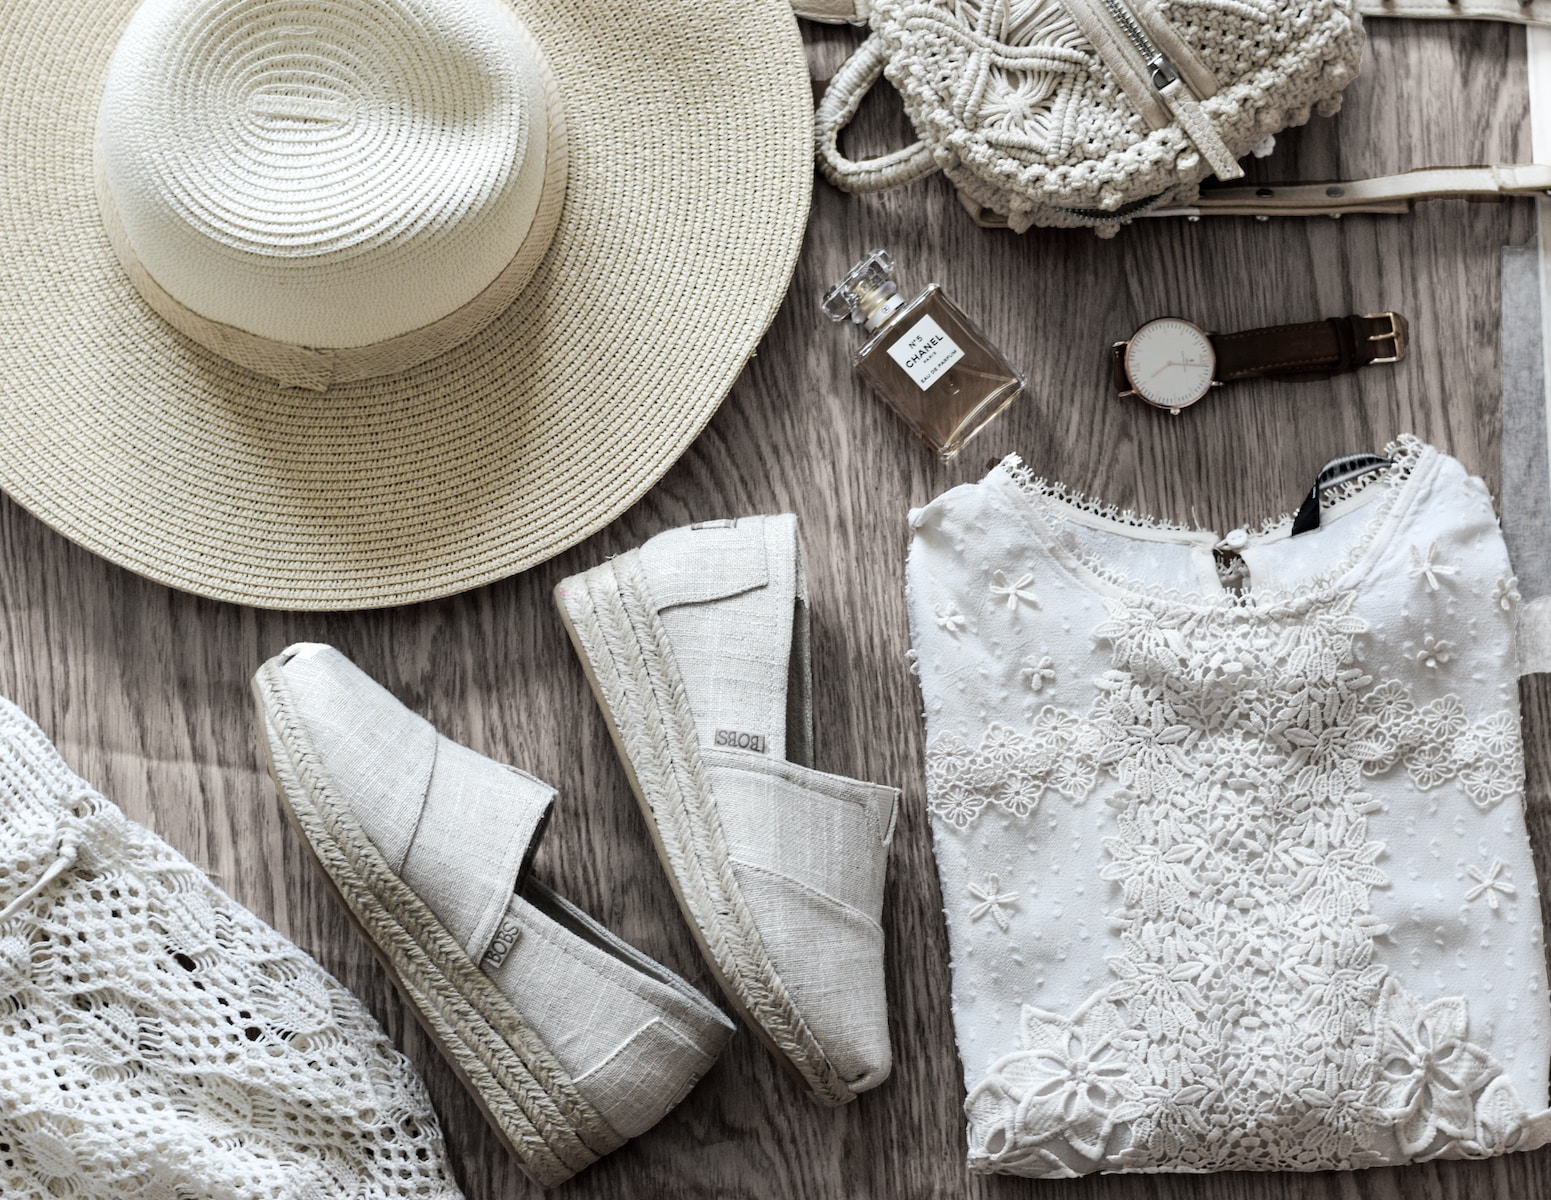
(697, 649)
(570, 1040)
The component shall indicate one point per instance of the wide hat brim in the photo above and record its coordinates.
(689, 131)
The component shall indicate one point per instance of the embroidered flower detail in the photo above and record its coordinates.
(1037, 672)
(1019, 592)
(1506, 592)
(950, 618)
(1429, 1074)
(1068, 1085)
(993, 902)
(913, 661)
(1426, 566)
(1435, 652)
(1490, 884)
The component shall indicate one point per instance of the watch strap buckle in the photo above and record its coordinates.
(1395, 334)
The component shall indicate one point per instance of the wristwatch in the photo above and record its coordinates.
(1171, 363)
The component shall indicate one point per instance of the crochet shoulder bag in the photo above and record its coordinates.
(1092, 112)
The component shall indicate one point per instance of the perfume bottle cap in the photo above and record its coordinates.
(867, 294)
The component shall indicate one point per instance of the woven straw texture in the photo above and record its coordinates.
(689, 139)
(1031, 120)
(159, 1040)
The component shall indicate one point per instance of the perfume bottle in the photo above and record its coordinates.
(925, 357)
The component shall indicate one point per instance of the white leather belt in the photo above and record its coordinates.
(1381, 194)
(1521, 12)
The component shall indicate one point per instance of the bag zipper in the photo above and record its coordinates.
(1174, 91)
(1160, 71)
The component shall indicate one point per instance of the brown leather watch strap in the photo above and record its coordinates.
(1117, 367)
(1315, 348)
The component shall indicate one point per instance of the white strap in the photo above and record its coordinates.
(838, 105)
(64, 859)
(1199, 128)
(1520, 12)
(832, 12)
(1382, 194)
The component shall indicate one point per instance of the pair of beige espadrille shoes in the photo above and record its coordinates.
(571, 1041)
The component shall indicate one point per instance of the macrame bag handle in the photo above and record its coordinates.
(838, 105)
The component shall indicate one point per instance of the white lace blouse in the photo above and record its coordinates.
(1230, 831)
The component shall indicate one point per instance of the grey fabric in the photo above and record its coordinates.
(632, 1035)
(1526, 464)
(809, 853)
(475, 834)
(808, 850)
(383, 752)
(726, 594)
(456, 825)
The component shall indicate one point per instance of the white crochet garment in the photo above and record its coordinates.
(1236, 877)
(160, 1042)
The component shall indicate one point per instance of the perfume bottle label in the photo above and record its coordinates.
(925, 352)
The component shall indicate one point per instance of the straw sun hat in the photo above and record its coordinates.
(344, 303)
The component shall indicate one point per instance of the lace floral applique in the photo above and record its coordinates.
(1064, 1090)
(950, 619)
(1506, 592)
(1009, 770)
(1437, 743)
(1442, 1095)
(1435, 652)
(1244, 870)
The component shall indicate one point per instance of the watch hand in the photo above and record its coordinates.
(1172, 363)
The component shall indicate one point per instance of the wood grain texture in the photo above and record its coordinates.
(145, 690)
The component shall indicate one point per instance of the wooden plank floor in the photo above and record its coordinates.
(145, 690)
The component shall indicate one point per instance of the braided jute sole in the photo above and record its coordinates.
(525, 1094)
(624, 649)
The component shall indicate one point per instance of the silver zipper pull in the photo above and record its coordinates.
(1161, 71)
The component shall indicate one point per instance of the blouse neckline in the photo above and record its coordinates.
(1389, 494)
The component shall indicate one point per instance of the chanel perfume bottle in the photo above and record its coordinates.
(924, 356)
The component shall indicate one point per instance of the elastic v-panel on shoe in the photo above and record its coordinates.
(477, 833)
(821, 831)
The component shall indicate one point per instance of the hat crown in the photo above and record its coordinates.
(324, 173)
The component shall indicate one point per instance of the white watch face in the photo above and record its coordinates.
(1170, 363)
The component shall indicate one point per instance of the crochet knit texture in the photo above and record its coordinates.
(1031, 120)
(159, 1041)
